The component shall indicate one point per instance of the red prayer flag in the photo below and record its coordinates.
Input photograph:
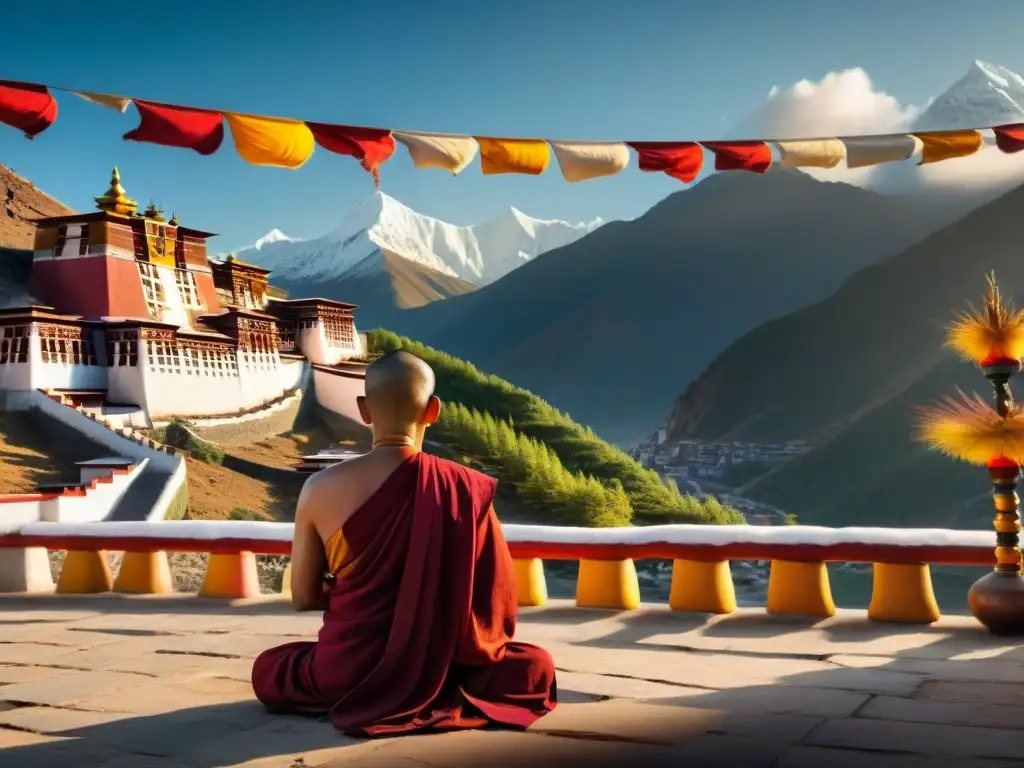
(28, 107)
(753, 156)
(1010, 138)
(679, 159)
(372, 147)
(197, 129)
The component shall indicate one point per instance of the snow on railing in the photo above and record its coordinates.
(690, 542)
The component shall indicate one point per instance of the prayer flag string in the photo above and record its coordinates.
(284, 142)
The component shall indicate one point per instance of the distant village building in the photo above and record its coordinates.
(130, 312)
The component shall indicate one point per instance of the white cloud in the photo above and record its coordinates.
(848, 103)
(840, 103)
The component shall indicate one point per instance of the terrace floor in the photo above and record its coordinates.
(163, 681)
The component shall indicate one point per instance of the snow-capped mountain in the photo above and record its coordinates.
(273, 236)
(478, 254)
(987, 95)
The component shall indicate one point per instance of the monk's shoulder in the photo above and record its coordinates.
(322, 485)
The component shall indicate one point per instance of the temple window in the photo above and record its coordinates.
(187, 288)
(153, 288)
(14, 345)
(62, 234)
(83, 243)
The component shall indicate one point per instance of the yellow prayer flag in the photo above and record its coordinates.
(274, 141)
(811, 153)
(529, 156)
(449, 151)
(583, 160)
(945, 145)
(120, 103)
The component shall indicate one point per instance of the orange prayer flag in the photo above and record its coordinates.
(1010, 138)
(28, 107)
(275, 141)
(753, 156)
(530, 156)
(947, 145)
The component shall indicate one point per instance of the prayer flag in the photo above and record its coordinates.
(681, 160)
(29, 108)
(275, 141)
(370, 146)
(862, 151)
(753, 156)
(449, 151)
(120, 103)
(196, 129)
(1010, 138)
(583, 160)
(947, 145)
(530, 156)
(811, 153)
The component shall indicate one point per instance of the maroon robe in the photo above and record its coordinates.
(418, 629)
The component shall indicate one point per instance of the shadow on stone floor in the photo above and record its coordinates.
(222, 734)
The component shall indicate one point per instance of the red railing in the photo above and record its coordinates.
(684, 542)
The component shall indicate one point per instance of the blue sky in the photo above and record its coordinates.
(570, 69)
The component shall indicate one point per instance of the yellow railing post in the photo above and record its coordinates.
(85, 573)
(531, 586)
(144, 573)
(231, 575)
(286, 580)
(607, 584)
(903, 593)
(800, 588)
(702, 587)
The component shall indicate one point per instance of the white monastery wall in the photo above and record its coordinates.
(338, 393)
(312, 342)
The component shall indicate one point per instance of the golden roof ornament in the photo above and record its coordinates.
(174, 220)
(115, 200)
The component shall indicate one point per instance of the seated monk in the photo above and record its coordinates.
(405, 556)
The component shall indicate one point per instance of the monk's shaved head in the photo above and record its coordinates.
(399, 387)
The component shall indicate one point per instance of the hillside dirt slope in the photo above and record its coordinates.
(20, 203)
(34, 450)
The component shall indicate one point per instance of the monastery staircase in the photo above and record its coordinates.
(138, 501)
(146, 490)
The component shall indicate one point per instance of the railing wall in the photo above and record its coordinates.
(701, 576)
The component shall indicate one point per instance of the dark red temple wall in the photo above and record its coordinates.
(125, 296)
(91, 287)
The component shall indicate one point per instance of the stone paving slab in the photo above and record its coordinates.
(120, 682)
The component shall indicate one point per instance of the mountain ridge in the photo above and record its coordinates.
(478, 254)
(847, 372)
(654, 300)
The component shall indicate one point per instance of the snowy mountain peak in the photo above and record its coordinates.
(987, 95)
(273, 236)
(478, 254)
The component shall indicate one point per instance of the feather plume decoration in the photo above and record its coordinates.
(995, 332)
(969, 429)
